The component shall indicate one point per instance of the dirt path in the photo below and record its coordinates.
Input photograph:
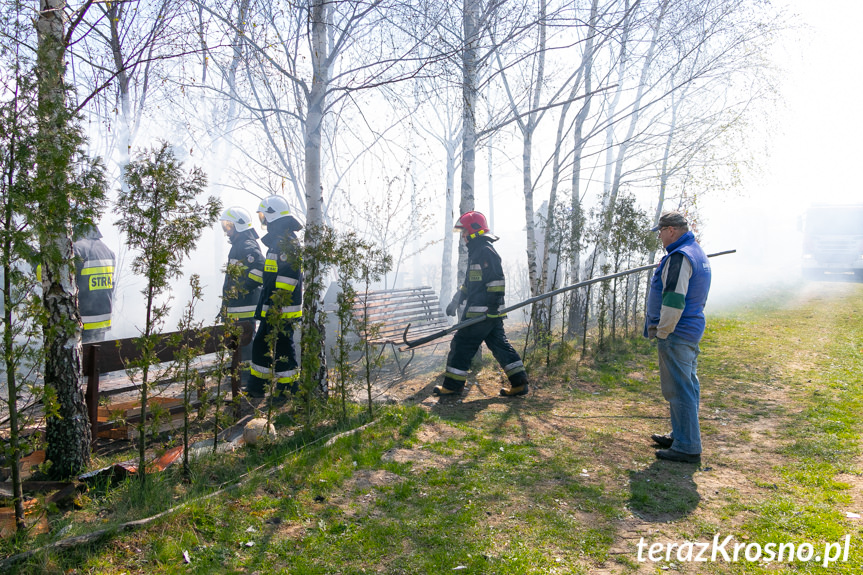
(748, 389)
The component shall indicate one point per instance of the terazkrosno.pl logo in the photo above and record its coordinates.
(729, 551)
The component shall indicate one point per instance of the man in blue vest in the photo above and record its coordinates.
(675, 317)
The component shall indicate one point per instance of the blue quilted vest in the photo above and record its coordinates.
(691, 324)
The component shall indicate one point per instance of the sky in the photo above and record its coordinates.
(813, 153)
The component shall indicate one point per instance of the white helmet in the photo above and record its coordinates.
(238, 216)
(274, 208)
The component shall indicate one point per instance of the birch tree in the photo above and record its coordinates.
(320, 54)
(116, 61)
(527, 125)
(70, 190)
(441, 122)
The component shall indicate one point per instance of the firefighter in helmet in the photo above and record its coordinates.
(240, 295)
(94, 271)
(482, 292)
(281, 275)
(241, 291)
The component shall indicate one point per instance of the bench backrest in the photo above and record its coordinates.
(394, 309)
(114, 353)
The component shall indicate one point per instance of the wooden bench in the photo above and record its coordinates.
(108, 356)
(392, 310)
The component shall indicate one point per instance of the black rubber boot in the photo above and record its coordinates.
(517, 385)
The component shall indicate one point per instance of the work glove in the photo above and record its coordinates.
(452, 308)
(651, 331)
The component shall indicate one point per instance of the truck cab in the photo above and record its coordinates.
(833, 240)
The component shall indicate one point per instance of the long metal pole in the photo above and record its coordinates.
(474, 320)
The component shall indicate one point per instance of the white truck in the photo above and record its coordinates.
(833, 240)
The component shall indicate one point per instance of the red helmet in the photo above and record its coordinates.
(474, 223)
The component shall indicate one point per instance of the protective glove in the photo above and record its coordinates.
(651, 331)
(452, 308)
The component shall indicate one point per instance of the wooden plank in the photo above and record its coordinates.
(114, 354)
(130, 409)
(401, 292)
(383, 305)
(418, 309)
(416, 320)
(415, 308)
(377, 300)
(37, 524)
(129, 413)
(394, 331)
(92, 394)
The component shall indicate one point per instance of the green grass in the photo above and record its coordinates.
(546, 484)
(819, 430)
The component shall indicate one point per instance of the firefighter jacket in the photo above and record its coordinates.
(484, 285)
(94, 269)
(282, 268)
(240, 295)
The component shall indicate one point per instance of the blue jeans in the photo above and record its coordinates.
(678, 363)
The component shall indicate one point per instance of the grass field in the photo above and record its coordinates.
(562, 481)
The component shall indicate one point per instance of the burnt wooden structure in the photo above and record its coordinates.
(108, 356)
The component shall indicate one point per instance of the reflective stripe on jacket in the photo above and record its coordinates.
(245, 289)
(484, 287)
(281, 270)
(94, 271)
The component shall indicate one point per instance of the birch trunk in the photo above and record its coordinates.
(663, 176)
(612, 109)
(446, 286)
(68, 432)
(527, 157)
(225, 143)
(608, 212)
(312, 322)
(470, 21)
(124, 136)
(527, 126)
(576, 308)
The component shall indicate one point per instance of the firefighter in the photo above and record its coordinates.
(240, 293)
(482, 292)
(94, 271)
(281, 275)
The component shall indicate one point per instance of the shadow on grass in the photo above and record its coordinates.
(665, 491)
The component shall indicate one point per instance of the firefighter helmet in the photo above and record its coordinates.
(274, 208)
(474, 224)
(238, 217)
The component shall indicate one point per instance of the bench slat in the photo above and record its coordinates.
(114, 353)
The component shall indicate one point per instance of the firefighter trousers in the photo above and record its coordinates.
(286, 373)
(465, 345)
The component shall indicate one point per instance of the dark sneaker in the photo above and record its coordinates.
(663, 441)
(513, 391)
(674, 455)
(442, 391)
